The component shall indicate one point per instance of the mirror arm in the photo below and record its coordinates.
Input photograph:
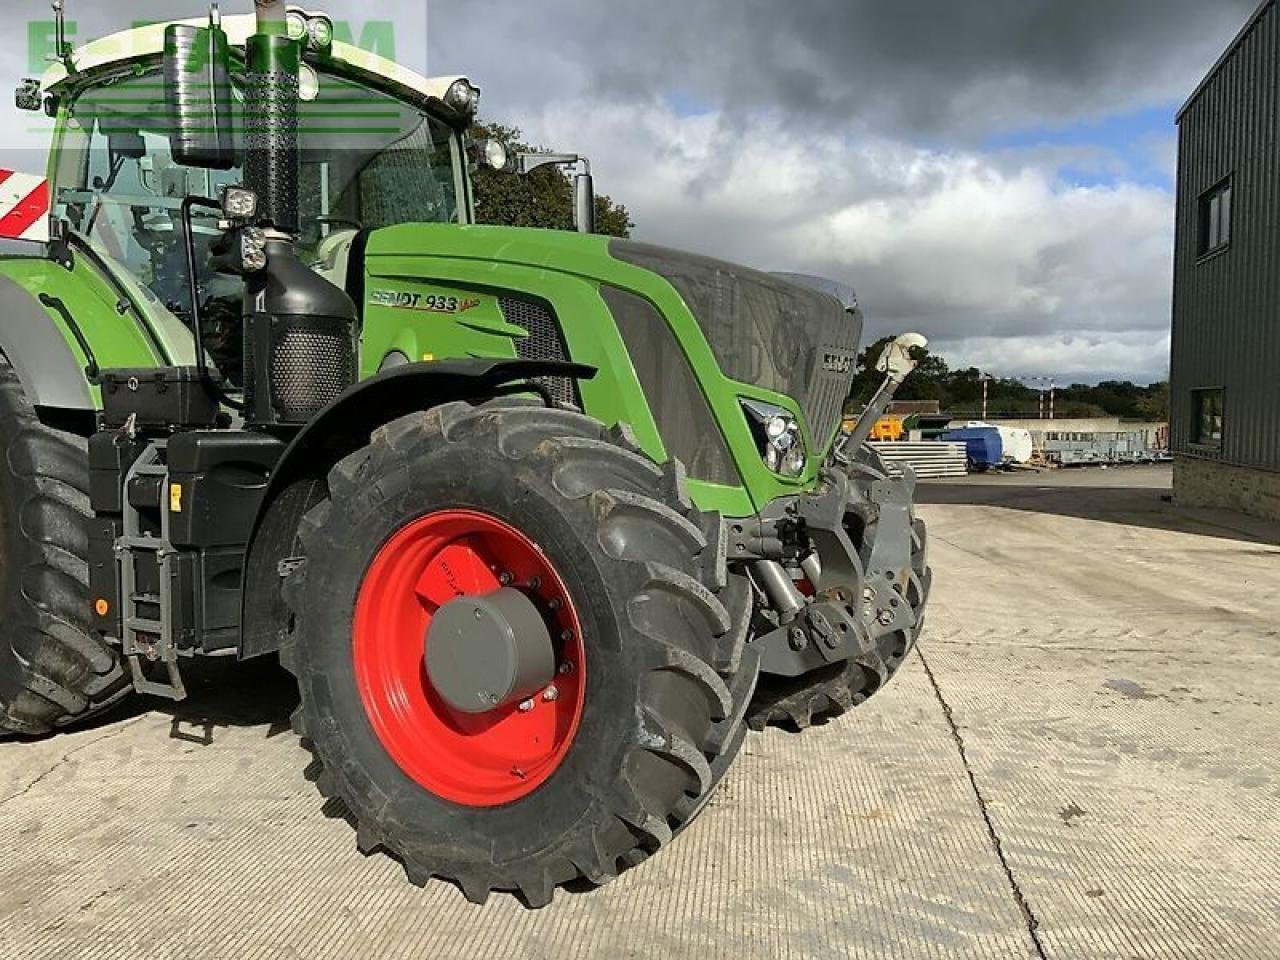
(529, 162)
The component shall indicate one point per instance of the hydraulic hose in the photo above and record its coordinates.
(197, 322)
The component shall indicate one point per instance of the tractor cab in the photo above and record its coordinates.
(378, 145)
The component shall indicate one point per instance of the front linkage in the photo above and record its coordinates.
(842, 574)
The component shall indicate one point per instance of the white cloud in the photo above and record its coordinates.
(1068, 358)
(990, 253)
(1002, 263)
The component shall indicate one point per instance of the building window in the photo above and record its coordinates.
(1215, 218)
(1206, 418)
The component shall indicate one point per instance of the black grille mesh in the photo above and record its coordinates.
(544, 342)
(312, 360)
(270, 140)
(311, 366)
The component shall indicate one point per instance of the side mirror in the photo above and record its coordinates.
(584, 203)
(495, 156)
(27, 96)
(197, 86)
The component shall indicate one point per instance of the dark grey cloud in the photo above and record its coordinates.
(927, 69)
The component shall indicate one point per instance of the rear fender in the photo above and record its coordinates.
(345, 426)
(51, 373)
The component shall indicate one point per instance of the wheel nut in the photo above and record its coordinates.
(885, 618)
(550, 694)
(565, 667)
(505, 578)
(526, 706)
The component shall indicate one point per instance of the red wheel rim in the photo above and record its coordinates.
(478, 760)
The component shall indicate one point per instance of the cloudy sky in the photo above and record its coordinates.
(996, 174)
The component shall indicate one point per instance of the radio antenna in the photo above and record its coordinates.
(63, 54)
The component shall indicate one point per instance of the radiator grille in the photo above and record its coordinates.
(545, 342)
(823, 403)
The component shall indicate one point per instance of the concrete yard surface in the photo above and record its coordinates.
(1083, 761)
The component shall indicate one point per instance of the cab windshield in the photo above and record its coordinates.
(368, 160)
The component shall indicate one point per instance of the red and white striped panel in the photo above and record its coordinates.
(24, 207)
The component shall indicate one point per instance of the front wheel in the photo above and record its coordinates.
(512, 649)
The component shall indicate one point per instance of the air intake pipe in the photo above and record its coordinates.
(271, 118)
(299, 329)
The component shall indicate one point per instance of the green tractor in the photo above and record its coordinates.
(541, 522)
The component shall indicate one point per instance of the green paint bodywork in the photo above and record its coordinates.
(466, 270)
(474, 265)
(122, 331)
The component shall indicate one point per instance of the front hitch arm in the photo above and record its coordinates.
(896, 363)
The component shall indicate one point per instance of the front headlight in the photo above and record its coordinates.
(312, 30)
(778, 435)
(320, 30)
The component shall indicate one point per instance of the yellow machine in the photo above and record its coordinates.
(886, 428)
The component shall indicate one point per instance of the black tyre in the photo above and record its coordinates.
(658, 715)
(821, 695)
(53, 671)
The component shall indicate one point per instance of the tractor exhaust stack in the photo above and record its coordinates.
(299, 329)
(271, 119)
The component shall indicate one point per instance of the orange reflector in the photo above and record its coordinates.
(101, 607)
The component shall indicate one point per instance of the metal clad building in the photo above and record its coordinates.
(1225, 376)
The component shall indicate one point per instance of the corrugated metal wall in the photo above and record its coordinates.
(1226, 308)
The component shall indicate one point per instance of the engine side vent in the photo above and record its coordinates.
(545, 342)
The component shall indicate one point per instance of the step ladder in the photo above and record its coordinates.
(148, 640)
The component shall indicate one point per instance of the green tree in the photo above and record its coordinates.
(542, 199)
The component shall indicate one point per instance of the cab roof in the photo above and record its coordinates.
(147, 43)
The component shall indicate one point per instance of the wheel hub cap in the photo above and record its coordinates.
(489, 651)
(455, 605)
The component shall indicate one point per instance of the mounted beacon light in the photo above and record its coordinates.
(239, 203)
(463, 97)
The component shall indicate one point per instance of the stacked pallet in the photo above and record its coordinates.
(930, 459)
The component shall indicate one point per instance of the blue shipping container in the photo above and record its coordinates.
(982, 445)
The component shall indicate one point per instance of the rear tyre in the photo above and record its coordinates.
(53, 671)
(643, 724)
